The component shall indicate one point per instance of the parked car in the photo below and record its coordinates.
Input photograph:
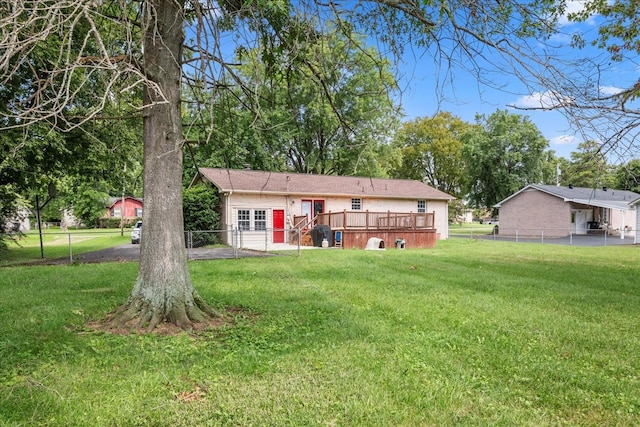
(136, 233)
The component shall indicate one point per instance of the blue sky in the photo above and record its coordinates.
(423, 96)
(423, 92)
(467, 98)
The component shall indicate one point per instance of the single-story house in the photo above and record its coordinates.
(127, 207)
(270, 205)
(20, 222)
(555, 211)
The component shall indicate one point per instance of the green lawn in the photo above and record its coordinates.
(468, 229)
(56, 244)
(473, 332)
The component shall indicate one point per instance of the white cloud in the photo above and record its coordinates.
(574, 6)
(541, 100)
(564, 140)
(610, 90)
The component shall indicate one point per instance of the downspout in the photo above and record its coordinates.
(229, 212)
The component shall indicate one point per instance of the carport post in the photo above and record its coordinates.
(542, 236)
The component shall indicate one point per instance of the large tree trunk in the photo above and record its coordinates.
(163, 291)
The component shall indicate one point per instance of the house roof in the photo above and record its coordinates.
(605, 197)
(261, 182)
(114, 200)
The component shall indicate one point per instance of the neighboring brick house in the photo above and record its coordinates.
(132, 207)
(555, 211)
(258, 202)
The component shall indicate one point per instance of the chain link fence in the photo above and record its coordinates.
(97, 245)
(588, 237)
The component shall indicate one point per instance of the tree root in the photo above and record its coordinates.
(139, 315)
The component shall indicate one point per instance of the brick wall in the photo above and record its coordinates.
(534, 212)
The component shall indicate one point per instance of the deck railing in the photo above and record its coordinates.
(365, 220)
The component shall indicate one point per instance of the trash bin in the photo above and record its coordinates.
(321, 232)
(400, 243)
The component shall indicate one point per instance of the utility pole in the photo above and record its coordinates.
(124, 178)
(52, 194)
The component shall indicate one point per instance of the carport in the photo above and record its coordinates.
(622, 206)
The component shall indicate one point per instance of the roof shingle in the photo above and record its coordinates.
(252, 181)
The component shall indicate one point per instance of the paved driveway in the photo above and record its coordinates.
(129, 252)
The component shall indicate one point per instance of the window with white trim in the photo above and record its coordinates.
(259, 219)
(252, 219)
(244, 219)
(422, 206)
(356, 204)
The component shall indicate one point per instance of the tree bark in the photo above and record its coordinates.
(163, 291)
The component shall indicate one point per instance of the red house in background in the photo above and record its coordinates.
(132, 207)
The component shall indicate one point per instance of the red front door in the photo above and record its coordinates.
(278, 226)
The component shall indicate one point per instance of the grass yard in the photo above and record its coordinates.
(56, 244)
(474, 228)
(473, 332)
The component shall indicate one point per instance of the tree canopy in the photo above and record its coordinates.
(286, 123)
(503, 152)
(588, 167)
(432, 152)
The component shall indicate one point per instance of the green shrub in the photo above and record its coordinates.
(199, 208)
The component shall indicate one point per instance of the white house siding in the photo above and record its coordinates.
(20, 222)
(532, 213)
(292, 205)
(232, 203)
(636, 229)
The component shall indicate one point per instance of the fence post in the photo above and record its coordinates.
(606, 232)
(266, 239)
(235, 238)
(70, 249)
(299, 239)
(542, 237)
(494, 229)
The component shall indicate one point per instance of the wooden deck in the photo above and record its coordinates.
(365, 220)
(414, 239)
(357, 227)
